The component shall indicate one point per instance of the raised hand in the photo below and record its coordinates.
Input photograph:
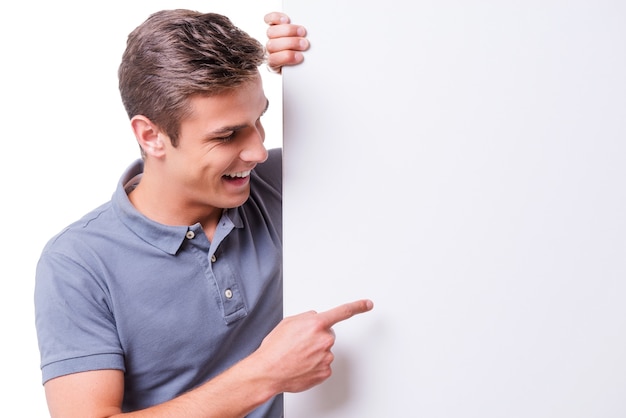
(286, 41)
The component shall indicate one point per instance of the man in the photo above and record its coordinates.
(167, 300)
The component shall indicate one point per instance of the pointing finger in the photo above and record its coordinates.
(345, 311)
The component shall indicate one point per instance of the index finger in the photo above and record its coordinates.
(276, 18)
(345, 311)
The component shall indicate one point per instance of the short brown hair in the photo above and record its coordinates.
(176, 54)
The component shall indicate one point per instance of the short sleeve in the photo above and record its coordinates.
(75, 327)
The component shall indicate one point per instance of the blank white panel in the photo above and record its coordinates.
(462, 164)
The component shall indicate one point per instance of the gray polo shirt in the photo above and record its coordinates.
(116, 290)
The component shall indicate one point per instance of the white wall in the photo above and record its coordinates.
(66, 141)
(462, 163)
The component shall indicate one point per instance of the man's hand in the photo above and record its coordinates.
(298, 351)
(286, 41)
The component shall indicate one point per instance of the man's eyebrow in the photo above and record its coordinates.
(234, 128)
(225, 129)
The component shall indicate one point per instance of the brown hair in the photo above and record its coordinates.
(176, 54)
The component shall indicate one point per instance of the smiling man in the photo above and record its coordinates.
(167, 300)
(218, 145)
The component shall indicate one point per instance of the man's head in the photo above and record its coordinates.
(177, 54)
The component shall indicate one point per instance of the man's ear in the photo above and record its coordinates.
(148, 135)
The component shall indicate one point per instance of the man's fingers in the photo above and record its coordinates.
(280, 59)
(345, 311)
(286, 31)
(287, 44)
(276, 18)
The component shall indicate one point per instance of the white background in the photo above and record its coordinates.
(479, 147)
(66, 141)
(463, 164)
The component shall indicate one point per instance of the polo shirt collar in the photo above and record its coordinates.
(165, 237)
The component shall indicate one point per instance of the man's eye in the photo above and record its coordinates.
(225, 138)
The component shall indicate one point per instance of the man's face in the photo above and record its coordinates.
(219, 143)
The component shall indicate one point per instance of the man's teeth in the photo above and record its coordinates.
(239, 174)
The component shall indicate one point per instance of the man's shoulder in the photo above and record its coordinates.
(97, 222)
(271, 171)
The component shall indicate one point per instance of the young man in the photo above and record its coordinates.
(167, 300)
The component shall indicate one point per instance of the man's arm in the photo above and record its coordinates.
(294, 357)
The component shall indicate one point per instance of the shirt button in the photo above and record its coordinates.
(228, 293)
(190, 234)
(213, 258)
